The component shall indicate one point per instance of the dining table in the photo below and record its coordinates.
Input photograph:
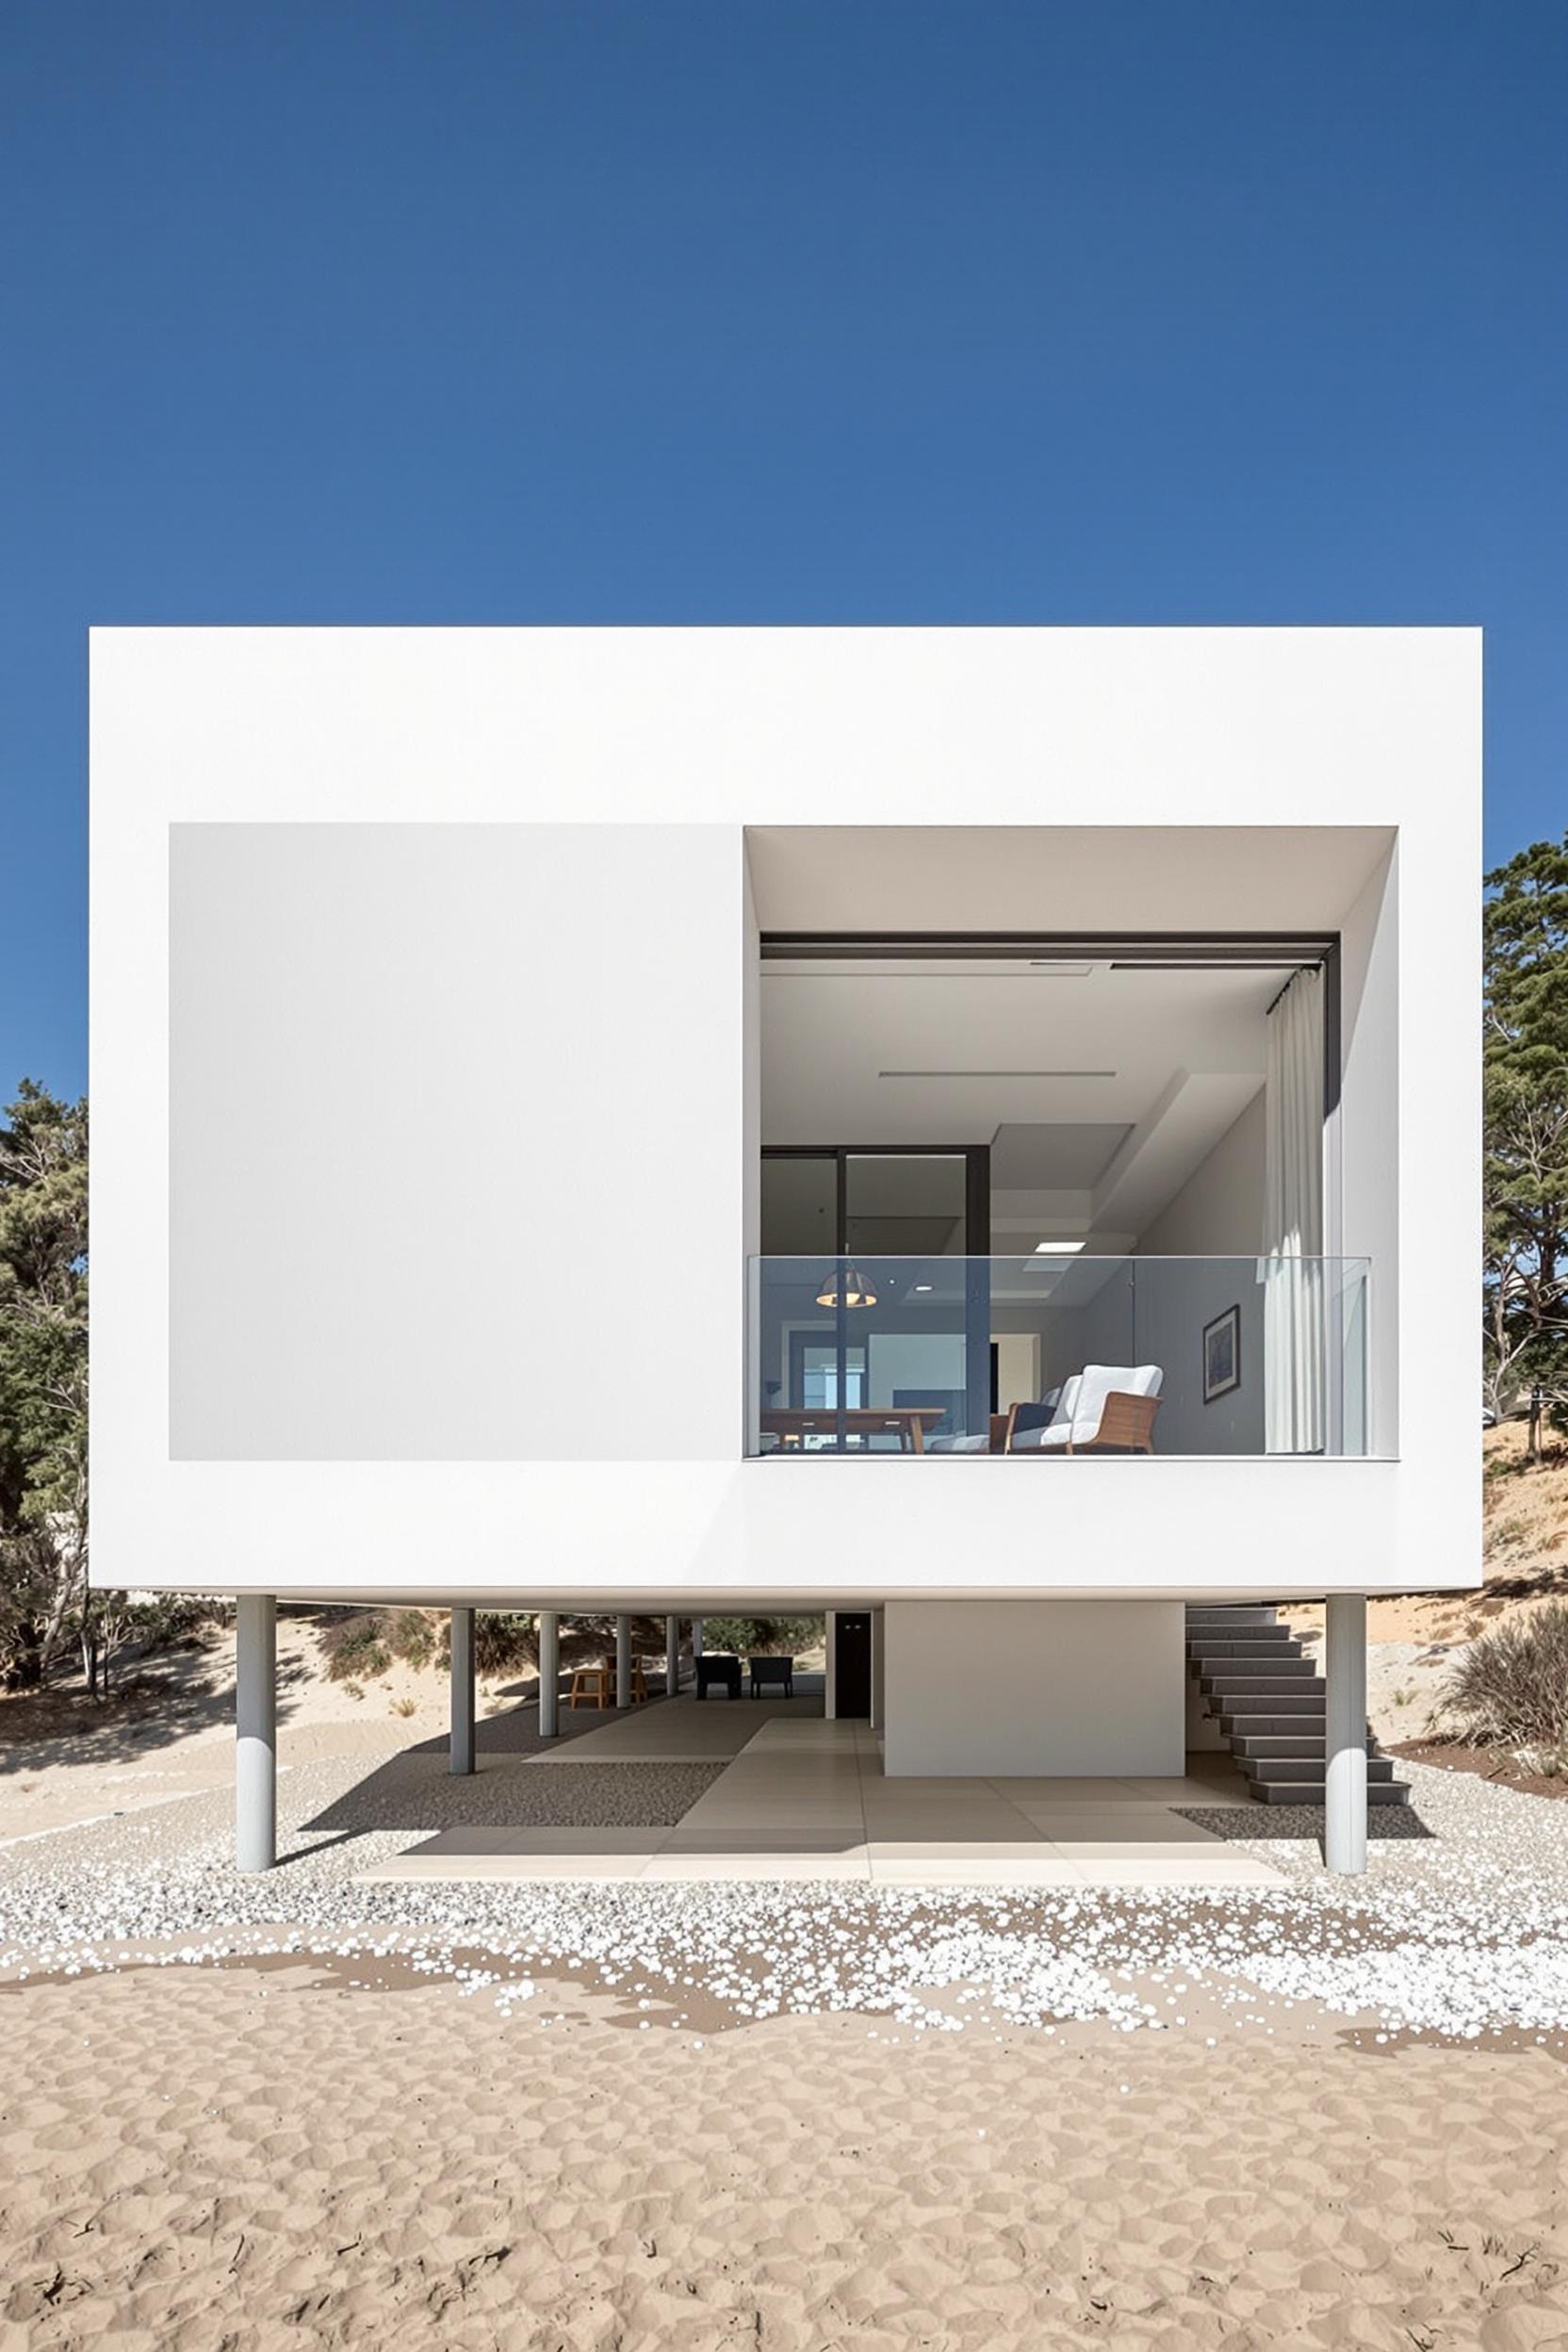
(792, 1423)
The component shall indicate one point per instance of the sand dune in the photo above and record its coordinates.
(253, 2158)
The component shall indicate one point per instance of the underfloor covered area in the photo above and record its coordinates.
(1035, 1742)
(781, 1793)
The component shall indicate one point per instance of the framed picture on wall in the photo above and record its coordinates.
(1222, 1354)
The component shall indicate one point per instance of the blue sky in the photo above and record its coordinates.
(766, 310)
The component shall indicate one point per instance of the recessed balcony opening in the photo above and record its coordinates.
(1050, 1196)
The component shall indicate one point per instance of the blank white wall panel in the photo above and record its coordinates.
(453, 1123)
(1053, 1686)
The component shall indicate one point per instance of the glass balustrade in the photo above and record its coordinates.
(1059, 1357)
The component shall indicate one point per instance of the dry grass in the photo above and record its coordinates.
(1511, 1685)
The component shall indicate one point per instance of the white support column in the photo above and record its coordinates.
(463, 1690)
(672, 1656)
(877, 1647)
(549, 1675)
(256, 1765)
(696, 1637)
(830, 1681)
(622, 1661)
(1345, 1712)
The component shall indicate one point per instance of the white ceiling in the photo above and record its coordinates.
(1032, 1156)
(1099, 1094)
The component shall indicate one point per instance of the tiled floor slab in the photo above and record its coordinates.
(1227, 1789)
(957, 1849)
(1099, 1789)
(752, 1868)
(801, 1798)
(1141, 1825)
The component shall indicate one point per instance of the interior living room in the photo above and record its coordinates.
(1046, 1199)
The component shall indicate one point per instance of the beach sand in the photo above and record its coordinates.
(229, 2159)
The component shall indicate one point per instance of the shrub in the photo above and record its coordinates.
(411, 1636)
(1511, 1685)
(503, 1642)
(763, 1637)
(356, 1646)
(174, 1620)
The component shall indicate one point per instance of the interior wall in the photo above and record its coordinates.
(1218, 1214)
(1361, 1191)
(1017, 1368)
(1219, 1208)
(1059, 1688)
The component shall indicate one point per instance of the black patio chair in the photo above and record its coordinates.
(718, 1674)
(772, 1669)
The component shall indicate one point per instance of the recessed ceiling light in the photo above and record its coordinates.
(1057, 1248)
(922, 1285)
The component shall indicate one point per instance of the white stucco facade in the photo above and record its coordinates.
(425, 1088)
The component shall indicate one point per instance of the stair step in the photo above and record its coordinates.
(1234, 1687)
(1253, 1711)
(1311, 1768)
(1220, 1617)
(1239, 1637)
(1256, 1670)
(1292, 1727)
(1247, 1657)
(1244, 1652)
(1232, 1645)
(1305, 1736)
(1314, 1792)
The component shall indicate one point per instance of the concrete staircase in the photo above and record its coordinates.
(1251, 1674)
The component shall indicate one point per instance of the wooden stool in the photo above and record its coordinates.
(592, 1686)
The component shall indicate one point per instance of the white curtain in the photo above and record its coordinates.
(1295, 1400)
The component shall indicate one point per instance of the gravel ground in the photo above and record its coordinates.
(411, 1792)
(1461, 1932)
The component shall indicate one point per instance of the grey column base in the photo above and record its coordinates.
(255, 1777)
(1345, 1728)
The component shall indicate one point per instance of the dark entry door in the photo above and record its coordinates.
(852, 1655)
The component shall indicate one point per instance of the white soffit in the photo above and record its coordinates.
(1069, 879)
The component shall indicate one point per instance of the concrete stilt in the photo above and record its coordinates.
(696, 1637)
(830, 1700)
(255, 1777)
(549, 1675)
(622, 1661)
(1344, 1723)
(877, 1670)
(463, 1690)
(672, 1656)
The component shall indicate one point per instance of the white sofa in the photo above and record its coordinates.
(1108, 1405)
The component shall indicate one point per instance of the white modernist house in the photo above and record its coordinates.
(972, 1130)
